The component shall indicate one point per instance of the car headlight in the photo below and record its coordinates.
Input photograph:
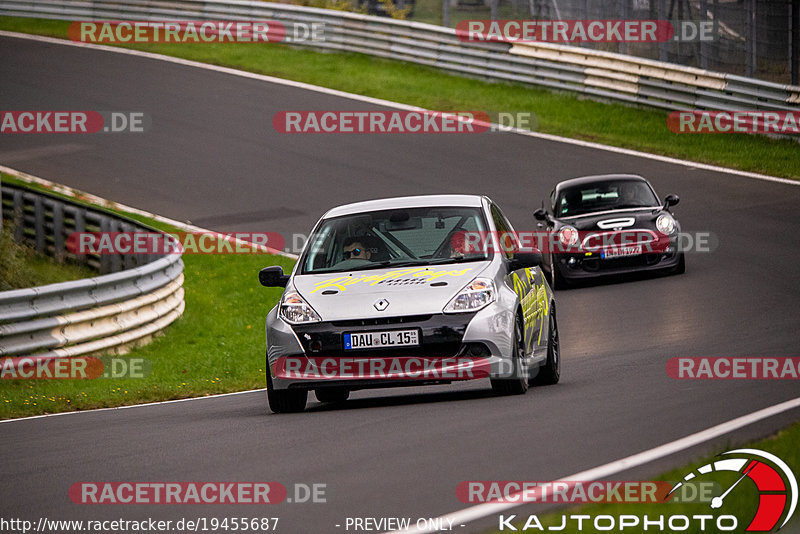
(294, 309)
(665, 223)
(568, 236)
(476, 295)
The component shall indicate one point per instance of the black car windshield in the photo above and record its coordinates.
(602, 196)
(393, 238)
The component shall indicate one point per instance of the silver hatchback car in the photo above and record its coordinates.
(405, 292)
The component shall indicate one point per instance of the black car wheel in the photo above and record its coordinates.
(681, 267)
(332, 394)
(517, 383)
(556, 280)
(285, 400)
(550, 373)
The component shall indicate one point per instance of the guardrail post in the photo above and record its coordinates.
(80, 226)
(794, 58)
(38, 224)
(58, 232)
(105, 259)
(750, 42)
(662, 45)
(116, 259)
(19, 215)
(622, 46)
(703, 45)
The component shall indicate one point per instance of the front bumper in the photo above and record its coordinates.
(460, 346)
(581, 264)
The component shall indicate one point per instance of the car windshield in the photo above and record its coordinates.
(393, 238)
(602, 196)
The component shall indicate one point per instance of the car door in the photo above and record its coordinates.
(527, 282)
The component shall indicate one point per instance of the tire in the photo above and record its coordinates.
(332, 394)
(517, 383)
(681, 267)
(285, 400)
(556, 280)
(550, 372)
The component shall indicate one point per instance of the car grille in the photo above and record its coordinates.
(382, 320)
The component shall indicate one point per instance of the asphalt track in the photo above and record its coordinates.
(212, 157)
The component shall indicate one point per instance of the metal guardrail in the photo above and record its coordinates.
(141, 295)
(593, 73)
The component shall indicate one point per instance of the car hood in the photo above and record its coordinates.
(408, 290)
(611, 220)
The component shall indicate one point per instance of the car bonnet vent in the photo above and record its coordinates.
(620, 222)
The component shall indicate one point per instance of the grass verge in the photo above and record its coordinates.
(562, 114)
(217, 346)
(741, 502)
(21, 266)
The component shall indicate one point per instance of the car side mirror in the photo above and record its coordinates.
(522, 260)
(273, 276)
(540, 215)
(671, 200)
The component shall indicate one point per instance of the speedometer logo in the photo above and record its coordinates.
(775, 482)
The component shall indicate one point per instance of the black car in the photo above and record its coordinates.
(608, 224)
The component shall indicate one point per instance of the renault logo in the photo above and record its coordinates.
(381, 304)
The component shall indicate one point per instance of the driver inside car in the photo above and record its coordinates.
(354, 248)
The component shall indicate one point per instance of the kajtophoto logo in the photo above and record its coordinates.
(775, 482)
(772, 485)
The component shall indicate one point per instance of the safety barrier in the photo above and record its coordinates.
(140, 296)
(593, 73)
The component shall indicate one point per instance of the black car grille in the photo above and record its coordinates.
(440, 335)
(626, 262)
(382, 321)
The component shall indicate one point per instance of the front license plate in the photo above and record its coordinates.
(620, 252)
(376, 340)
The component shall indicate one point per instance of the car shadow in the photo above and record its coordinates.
(613, 279)
(400, 400)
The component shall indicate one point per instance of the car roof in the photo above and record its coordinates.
(421, 201)
(583, 180)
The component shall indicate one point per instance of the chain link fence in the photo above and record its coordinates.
(753, 38)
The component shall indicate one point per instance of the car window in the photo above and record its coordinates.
(407, 236)
(505, 232)
(610, 195)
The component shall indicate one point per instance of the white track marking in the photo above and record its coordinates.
(110, 204)
(95, 410)
(486, 509)
(395, 105)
